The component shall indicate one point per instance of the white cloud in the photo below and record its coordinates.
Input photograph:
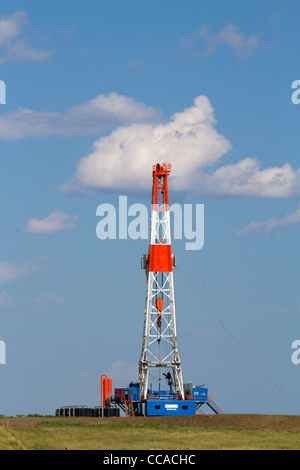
(124, 158)
(96, 116)
(10, 272)
(54, 222)
(13, 47)
(238, 42)
(10, 27)
(2, 352)
(21, 52)
(246, 178)
(191, 143)
(271, 224)
(46, 298)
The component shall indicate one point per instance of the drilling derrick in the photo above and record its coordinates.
(159, 351)
(159, 357)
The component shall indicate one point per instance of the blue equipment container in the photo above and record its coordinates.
(200, 394)
(170, 407)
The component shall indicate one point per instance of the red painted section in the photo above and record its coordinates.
(160, 258)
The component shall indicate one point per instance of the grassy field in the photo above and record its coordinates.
(101, 435)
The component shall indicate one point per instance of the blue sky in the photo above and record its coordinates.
(97, 92)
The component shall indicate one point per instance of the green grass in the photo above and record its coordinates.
(136, 436)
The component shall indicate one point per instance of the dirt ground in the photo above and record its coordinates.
(223, 421)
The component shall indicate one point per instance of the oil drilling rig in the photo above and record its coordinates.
(159, 356)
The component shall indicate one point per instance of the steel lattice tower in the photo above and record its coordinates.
(159, 350)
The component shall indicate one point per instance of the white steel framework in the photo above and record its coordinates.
(159, 349)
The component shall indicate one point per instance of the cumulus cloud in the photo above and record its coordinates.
(13, 46)
(96, 116)
(271, 224)
(54, 222)
(246, 178)
(190, 142)
(138, 138)
(120, 160)
(10, 271)
(238, 42)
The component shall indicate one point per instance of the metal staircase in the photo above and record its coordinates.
(129, 409)
(214, 407)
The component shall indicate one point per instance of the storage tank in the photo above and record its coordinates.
(106, 390)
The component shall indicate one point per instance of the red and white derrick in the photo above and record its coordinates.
(159, 350)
